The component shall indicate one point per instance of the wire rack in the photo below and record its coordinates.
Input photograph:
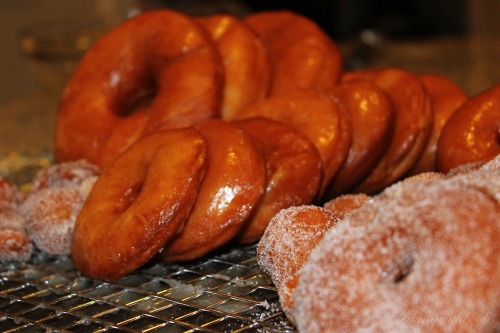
(227, 292)
(224, 292)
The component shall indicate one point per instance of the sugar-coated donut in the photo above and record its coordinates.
(423, 257)
(285, 246)
(161, 53)
(472, 133)
(345, 204)
(76, 173)
(50, 215)
(303, 55)
(234, 183)
(14, 245)
(318, 115)
(446, 98)
(246, 62)
(372, 122)
(294, 172)
(413, 124)
(138, 203)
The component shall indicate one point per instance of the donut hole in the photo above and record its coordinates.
(398, 272)
(131, 195)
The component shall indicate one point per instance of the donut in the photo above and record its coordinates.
(319, 116)
(412, 128)
(246, 62)
(345, 204)
(372, 122)
(472, 133)
(293, 168)
(139, 202)
(78, 173)
(446, 97)
(285, 246)
(14, 243)
(50, 216)
(124, 134)
(424, 257)
(161, 54)
(234, 182)
(303, 55)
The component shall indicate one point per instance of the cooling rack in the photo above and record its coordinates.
(224, 292)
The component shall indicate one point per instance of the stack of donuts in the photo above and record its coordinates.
(421, 256)
(204, 128)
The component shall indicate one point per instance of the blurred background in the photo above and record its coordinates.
(42, 40)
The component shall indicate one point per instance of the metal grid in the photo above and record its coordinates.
(227, 292)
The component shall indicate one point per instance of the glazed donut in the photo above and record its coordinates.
(234, 182)
(445, 97)
(405, 264)
(285, 246)
(303, 56)
(140, 202)
(472, 133)
(50, 216)
(246, 61)
(319, 116)
(412, 128)
(294, 172)
(161, 53)
(372, 123)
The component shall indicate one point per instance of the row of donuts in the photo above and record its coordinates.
(420, 256)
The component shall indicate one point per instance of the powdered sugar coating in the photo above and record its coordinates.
(50, 215)
(67, 174)
(423, 257)
(289, 238)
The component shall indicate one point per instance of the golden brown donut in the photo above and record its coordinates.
(138, 203)
(372, 123)
(234, 182)
(472, 133)
(294, 172)
(412, 128)
(246, 61)
(446, 97)
(318, 115)
(422, 259)
(303, 56)
(159, 53)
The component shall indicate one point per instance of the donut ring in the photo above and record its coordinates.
(234, 182)
(246, 62)
(472, 133)
(303, 55)
(138, 203)
(294, 172)
(446, 98)
(161, 53)
(383, 264)
(372, 124)
(412, 128)
(319, 116)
